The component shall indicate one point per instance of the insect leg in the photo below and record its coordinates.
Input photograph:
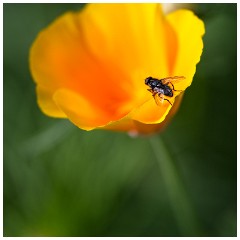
(167, 100)
(161, 96)
(175, 89)
(151, 91)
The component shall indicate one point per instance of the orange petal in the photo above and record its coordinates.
(90, 66)
(125, 124)
(103, 53)
(79, 110)
(135, 128)
(59, 58)
(129, 38)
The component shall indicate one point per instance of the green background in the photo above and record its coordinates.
(62, 181)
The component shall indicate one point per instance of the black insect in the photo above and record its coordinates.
(160, 88)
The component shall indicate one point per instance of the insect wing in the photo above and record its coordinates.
(175, 79)
(158, 100)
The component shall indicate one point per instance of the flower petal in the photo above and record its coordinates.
(130, 39)
(103, 53)
(189, 30)
(151, 128)
(59, 58)
(46, 103)
(125, 124)
(79, 110)
(90, 66)
(150, 112)
(135, 128)
(129, 35)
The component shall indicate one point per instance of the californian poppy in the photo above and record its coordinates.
(90, 66)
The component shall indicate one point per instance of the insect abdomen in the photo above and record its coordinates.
(168, 91)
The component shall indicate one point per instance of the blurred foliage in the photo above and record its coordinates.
(62, 181)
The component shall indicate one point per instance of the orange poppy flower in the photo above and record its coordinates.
(90, 66)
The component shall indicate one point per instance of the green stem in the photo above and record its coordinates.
(180, 203)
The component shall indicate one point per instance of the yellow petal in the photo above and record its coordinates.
(150, 112)
(142, 128)
(189, 30)
(46, 103)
